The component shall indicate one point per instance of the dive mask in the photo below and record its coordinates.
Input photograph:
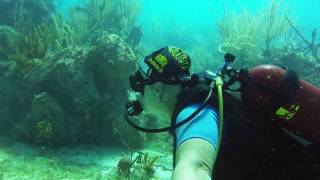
(144, 76)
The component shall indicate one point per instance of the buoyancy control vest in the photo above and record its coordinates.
(291, 103)
(247, 142)
(194, 92)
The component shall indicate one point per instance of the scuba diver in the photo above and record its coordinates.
(207, 146)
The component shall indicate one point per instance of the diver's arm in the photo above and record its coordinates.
(197, 142)
(195, 160)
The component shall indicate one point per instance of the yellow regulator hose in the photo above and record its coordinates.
(219, 84)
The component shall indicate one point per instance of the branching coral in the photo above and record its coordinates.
(44, 38)
(144, 163)
(19, 21)
(84, 22)
(274, 22)
(41, 38)
(312, 47)
(101, 12)
(23, 15)
(147, 163)
(62, 35)
(80, 24)
(245, 34)
(129, 9)
(142, 166)
(239, 33)
(36, 43)
(104, 15)
(24, 64)
(9, 40)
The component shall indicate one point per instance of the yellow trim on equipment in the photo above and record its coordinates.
(180, 56)
(219, 84)
(159, 62)
(288, 114)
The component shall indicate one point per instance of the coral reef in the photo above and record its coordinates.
(44, 129)
(312, 47)
(95, 16)
(101, 13)
(123, 167)
(106, 15)
(44, 40)
(246, 34)
(12, 96)
(23, 14)
(53, 36)
(126, 14)
(36, 43)
(106, 42)
(129, 10)
(76, 89)
(9, 40)
(274, 25)
(63, 80)
(265, 38)
(303, 65)
(44, 123)
(24, 64)
(80, 24)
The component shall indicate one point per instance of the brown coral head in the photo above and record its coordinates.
(124, 165)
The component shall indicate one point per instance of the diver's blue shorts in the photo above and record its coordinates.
(204, 125)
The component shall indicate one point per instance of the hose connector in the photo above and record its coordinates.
(219, 81)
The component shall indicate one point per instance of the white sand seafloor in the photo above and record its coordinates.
(23, 161)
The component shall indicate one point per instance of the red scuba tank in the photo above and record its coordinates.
(292, 103)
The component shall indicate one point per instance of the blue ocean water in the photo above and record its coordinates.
(199, 17)
(182, 22)
(189, 24)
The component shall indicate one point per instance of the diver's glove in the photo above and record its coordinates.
(134, 108)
